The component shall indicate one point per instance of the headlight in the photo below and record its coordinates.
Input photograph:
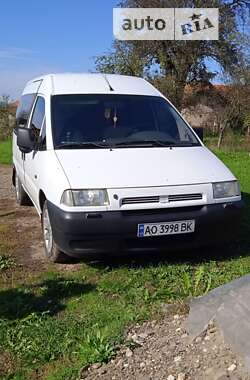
(226, 189)
(90, 197)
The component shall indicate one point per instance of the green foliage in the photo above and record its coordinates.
(6, 118)
(197, 283)
(246, 122)
(63, 373)
(123, 60)
(38, 338)
(96, 348)
(6, 262)
(15, 376)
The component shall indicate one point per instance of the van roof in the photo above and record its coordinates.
(72, 83)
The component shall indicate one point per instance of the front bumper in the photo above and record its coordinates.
(77, 233)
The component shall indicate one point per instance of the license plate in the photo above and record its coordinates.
(169, 228)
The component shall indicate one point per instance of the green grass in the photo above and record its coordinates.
(6, 152)
(54, 324)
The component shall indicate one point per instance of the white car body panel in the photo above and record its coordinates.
(61, 84)
(135, 172)
(141, 167)
(44, 173)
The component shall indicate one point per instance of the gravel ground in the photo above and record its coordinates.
(165, 352)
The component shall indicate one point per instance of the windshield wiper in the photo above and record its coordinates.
(187, 144)
(142, 143)
(111, 145)
(84, 144)
(162, 143)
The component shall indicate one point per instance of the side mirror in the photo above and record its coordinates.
(25, 139)
(200, 132)
(21, 122)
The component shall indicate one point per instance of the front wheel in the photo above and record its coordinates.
(52, 252)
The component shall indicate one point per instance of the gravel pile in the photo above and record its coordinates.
(164, 351)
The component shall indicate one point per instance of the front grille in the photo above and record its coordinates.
(133, 200)
(184, 197)
(157, 199)
(162, 211)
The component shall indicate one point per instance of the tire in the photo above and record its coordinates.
(22, 198)
(52, 252)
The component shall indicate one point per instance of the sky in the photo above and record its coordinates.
(39, 37)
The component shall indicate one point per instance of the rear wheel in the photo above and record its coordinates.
(52, 252)
(22, 197)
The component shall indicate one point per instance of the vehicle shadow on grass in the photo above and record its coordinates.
(222, 252)
(49, 296)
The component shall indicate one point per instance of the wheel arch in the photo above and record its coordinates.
(13, 176)
(42, 199)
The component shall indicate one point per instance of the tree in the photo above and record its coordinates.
(122, 60)
(171, 65)
(234, 112)
(4, 117)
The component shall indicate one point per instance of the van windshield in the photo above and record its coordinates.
(117, 121)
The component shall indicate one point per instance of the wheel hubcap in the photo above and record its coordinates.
(47, 231)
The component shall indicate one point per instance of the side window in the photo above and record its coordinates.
(42, 145)
(37, 123)
(24, 109)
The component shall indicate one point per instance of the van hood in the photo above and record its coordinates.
(141, 167)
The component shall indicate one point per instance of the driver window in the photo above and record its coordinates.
(37, 123)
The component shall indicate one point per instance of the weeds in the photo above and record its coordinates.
(6, 262)
(97, 348)
(38, 338)
(197, 283)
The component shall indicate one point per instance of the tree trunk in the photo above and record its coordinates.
(221, 135)
(248, 131)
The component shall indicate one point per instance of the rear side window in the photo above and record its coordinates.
(37, 122)
(24, 109)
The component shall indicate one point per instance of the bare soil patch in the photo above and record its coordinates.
(20, 230)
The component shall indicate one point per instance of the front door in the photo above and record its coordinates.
(33, 161)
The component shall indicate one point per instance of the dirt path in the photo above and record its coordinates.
(21, 231)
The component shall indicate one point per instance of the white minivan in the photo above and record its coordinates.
(110, 164)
